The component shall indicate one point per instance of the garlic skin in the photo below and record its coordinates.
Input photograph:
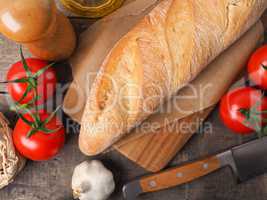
(92, 181)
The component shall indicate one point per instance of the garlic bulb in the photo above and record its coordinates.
(92, 181)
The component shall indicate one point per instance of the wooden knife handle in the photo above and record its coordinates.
(179, 175)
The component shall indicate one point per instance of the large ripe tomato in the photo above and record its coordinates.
(241, 99)
(46, 82)
(40, 146)
(257, 67)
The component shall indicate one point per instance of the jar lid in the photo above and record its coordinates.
(28, 20)
(91, 8)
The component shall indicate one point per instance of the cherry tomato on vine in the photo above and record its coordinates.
(257, 67)
(23, 92)
(241, 110)
(39, 145)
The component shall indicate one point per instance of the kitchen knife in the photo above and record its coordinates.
(247, 160)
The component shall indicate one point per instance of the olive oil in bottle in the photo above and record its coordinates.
(91, 8)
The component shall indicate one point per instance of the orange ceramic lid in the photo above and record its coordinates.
(26, 20)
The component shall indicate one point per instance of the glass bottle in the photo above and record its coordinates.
(91, 8)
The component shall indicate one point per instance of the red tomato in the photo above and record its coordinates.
(46, 81)
(257, 67)
(40, 146)
(234, 101)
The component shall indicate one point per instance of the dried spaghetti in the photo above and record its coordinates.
(10, 162)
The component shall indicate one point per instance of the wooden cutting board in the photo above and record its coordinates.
(153, 150)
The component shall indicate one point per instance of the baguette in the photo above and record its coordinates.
(162, 53)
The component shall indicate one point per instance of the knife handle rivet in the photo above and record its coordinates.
(152, 184)
(179, 175)
(205, 165)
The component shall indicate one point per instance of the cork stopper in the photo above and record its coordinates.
(27, 20)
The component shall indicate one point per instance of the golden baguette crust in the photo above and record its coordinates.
(161, 54)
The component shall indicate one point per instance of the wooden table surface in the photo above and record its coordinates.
(51, 180)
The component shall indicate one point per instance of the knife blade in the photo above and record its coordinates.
(246, 161)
